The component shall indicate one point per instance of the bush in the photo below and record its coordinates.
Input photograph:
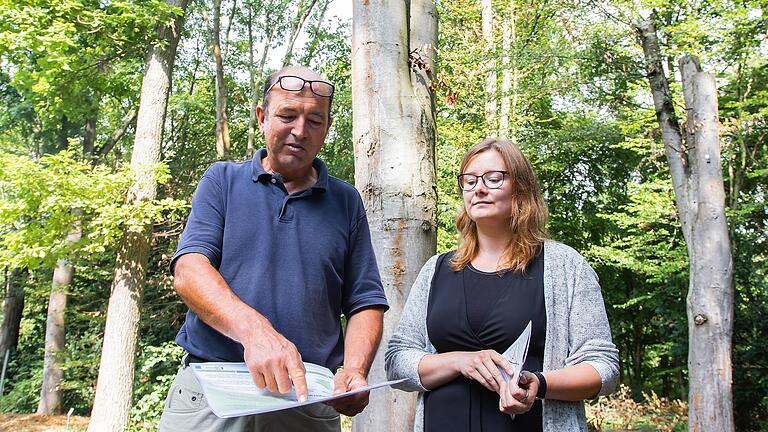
(155, 370)
(620, 412)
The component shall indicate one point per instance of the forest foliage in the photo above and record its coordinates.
(570, 88)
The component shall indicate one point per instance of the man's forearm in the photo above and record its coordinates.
(274, 361)
(362, 339)
(209, 296)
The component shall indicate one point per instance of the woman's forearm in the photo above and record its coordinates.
(438, 369)
(481, 366)
(573, 383)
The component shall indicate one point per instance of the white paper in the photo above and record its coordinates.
(231, 392)
(517, 353)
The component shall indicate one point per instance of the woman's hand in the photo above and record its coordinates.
(518, 399)
(483, 367)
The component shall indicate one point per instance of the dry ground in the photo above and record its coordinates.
(36, 423)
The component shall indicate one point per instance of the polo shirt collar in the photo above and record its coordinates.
(260, 174)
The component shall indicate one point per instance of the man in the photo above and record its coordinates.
(274, 251)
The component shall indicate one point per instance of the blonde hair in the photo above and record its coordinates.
(528, 216)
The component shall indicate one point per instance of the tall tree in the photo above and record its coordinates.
(222, 126)
(490, 76)
(13, 306)
(249, 150)
(393, 65)
(509, 75)
(115, 383)
(55, 330)
(256, 72)
(303, 11)
(89, 137)
(697, 177)
(55, 325)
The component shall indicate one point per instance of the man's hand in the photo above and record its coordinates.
(344, 381)
(274, 362)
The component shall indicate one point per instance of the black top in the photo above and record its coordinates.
(471, 310)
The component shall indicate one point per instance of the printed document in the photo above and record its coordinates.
(517, 353)
(231, 392)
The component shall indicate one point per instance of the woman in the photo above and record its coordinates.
(468, 306)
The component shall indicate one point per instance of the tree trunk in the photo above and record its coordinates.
(394, 139)
(256, 76)
(298, 23)
(232, 12)
(700, 199)
(249, 150)
(55, 342)
(311, 50)
(50, 393)
(114, 387)
(490, 77)
(665, 115)
(193, 79)
(89, 138)
(222, 127)
(13, 307)
(510, 76)
(128, 120)
(710, 294)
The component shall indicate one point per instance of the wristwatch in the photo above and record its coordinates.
(542, 385)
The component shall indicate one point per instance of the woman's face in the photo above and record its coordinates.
(483, 204)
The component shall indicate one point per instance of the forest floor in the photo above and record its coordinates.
(36, 423)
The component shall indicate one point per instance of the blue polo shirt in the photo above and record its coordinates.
(300, 259)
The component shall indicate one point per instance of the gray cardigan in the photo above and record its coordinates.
(577, 332)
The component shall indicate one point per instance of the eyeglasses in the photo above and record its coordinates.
(491, 179)
(296, 84)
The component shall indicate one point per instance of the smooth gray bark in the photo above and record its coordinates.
(697, 178)
(55, 330)
(394, 139)
(665, 115)
(710, 293)
(114, 388)
(50, 392)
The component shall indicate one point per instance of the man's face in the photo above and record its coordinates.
(294, 126)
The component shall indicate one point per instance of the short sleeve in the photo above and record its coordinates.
(362, 282)
(204, 230)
